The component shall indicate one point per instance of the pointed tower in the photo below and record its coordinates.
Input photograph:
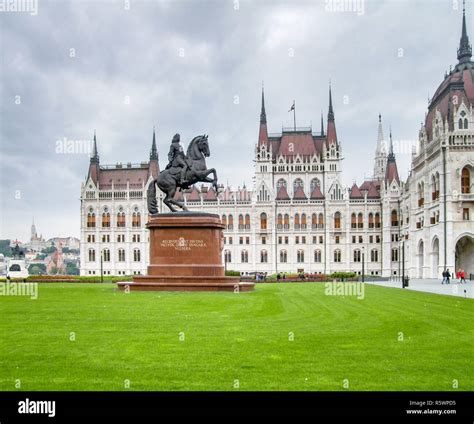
(33, 230)
(331, 134)
(154, 167)
(380, 153)
(465, 49)
(94, 168)
(322, 125)
(263, 132)
(392, 170)
(263, 159)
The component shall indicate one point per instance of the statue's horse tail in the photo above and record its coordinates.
(151, 198)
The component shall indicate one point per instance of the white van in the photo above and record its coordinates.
(17, 270)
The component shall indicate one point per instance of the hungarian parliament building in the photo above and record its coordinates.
(298, 217)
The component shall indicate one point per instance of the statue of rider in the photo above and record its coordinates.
(177, 159)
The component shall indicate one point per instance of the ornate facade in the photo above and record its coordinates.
(298, 216)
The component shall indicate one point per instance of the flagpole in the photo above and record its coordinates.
(294, 115)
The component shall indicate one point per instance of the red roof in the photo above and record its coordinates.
(373, 193)
(282, 194)
(299, 194)
(178, 196)
(355, 192)
(302, 144)
(392, 172)
(210, 195)
(316, 194)
(194, 195)
(263, 134)
(331, 132)
(122, 175)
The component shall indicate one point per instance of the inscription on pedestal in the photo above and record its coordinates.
(182, 244)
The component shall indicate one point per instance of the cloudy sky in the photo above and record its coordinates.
(122, 67)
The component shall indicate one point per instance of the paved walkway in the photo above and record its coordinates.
(431, 285)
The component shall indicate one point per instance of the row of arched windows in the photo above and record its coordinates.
(300, 221)
(120, 255)
(106, 221)
(300, 256)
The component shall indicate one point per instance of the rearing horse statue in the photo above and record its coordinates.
(169, 180)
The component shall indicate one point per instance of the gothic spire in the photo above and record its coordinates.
(322, 124)
(263, 115)
(391, 172)
(465, 49)
(391, 156)
(95, 154)
(263, 132)
(154, 151)
(331, 111)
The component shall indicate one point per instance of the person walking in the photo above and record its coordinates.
(463, 277)
(444, 277)
(458, 275)
(448, 276)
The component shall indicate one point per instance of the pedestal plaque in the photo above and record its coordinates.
(186, 255)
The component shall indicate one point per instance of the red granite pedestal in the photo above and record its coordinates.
(186, 255)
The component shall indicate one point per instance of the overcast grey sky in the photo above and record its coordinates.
(197, 67)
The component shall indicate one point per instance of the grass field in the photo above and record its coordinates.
(280, 337)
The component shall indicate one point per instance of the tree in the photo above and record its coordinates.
(71, 269)
(37, 269)
(5, 247)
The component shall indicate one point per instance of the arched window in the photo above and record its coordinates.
(91, 220)
(136, 255)
(244, 256)
(297, 183)
(374, 255)
(230, 225)
(136, 220)
(337, 220)
(377, 220)
(263, 221)
(241, 222)
(371, 220)
(286, 223)
(121, 219)
(281, 183)
(465, 180)
(247, 222)
(280, 221)
(465, 124)
(460, 123)
(106, 255)
(421, 196)
(314, 221)
(224, 220)
(263, 256)
(353, 220)
(394, 219)
(360, 220)
(300, 256)
(303, 221)
(227, 256)
(314, 183)
(357, 255)
(106, 220)
(337, 255)
(283, 256)
(121, 255)
(297, 221)
(321, 221)
(91, 255)
(317, 256)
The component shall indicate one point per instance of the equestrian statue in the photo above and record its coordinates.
(182, 172)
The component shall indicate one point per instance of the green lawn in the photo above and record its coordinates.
(229, 337)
